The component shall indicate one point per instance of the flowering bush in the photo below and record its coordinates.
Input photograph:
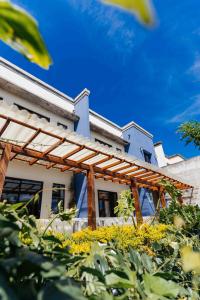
(121, 236)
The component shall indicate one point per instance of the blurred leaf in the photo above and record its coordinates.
(20, 31)
(190, 260)
(160, 286)
(114, 280)
(61, 290)
(142, 9)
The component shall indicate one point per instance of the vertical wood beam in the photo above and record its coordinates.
(180, 199)
(155, 195)
(5, 158)
(91, 199)
(136, 197)
(162, 197)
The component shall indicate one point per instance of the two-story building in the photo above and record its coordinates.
(27, 93)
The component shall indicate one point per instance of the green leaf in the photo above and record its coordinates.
(140, 8)
(20, 31)
(160, 286)
(6, 292)
(61, 290)
(113, 280)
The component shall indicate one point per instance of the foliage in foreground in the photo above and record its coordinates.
(20, 31)
(45, 269)
(142, 9)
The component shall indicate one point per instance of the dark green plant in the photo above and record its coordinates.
(169, 188)
(190, 133)
(37, 265)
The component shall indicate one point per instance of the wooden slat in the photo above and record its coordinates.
(4, 126)
(87, 157)
(122, 168)
(112, 165)
(141, 173)
(102, 160)
(150, 176)
(53, 147)
(5, 158)
(91, 199)
(73, 152)
(130, 171)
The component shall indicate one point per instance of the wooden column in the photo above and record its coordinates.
(162, 197)
(180, 199)
(91, 199)
(155, 195)
(135, 194)
(5, 158)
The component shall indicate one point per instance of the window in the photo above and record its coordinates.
(107, 202)
(32, 112)
(103, 143)
(58, 194)
(22, 190)
(147, 156)
(65, 127)
(119, 150)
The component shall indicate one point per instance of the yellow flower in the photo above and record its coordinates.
(122, 236)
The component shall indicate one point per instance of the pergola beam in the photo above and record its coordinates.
(67, 162)
(91, 199)
(136, 198)
(5, 158)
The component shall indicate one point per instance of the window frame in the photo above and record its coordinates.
(103, 143)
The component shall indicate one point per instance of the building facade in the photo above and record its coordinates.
(187, 169)
(28, 93)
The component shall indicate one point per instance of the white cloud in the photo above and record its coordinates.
(113, 23)
(195, 69)
(189, 113)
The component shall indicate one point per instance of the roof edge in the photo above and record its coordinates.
(133, 124)
(34, 79)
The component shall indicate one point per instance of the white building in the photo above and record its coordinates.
(29, 94)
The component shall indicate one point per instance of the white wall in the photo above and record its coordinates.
(160, 155)
(174, 159)
(105, 124)
(189, 170)
(11, 99)
(22, 170)
(19, 78)
(96, 135)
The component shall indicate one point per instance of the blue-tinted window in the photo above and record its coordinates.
(58, 194)
(22, 190)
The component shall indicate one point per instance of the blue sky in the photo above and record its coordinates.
(149, 76)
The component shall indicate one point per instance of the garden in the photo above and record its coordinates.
(155, 260)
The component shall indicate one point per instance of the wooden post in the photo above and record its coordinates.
(135, 194)
(5, 158)
(91, 199)
(155, 195)
(180, 199)
(162, 197)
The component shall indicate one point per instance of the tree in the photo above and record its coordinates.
(190, 133)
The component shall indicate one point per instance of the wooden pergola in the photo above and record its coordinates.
(25, 137)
